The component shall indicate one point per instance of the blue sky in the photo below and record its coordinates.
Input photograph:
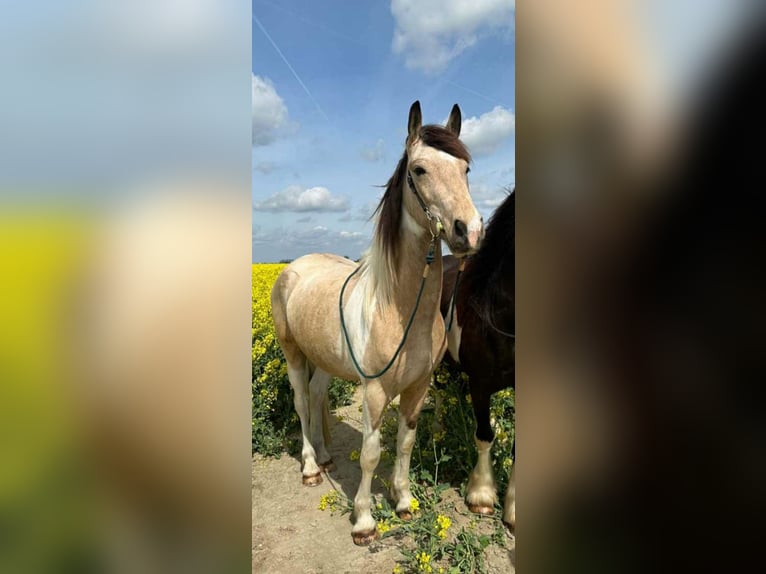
(332, 85)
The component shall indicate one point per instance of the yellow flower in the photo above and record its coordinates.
(424, 562)
(383, 526)
(414, 505)
(397, 570)
(354, 455)
(329, 500)
(442, 525)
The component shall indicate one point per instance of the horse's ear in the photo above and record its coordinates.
(455, 120)
(414, 123)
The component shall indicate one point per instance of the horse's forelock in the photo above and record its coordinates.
(444, 140)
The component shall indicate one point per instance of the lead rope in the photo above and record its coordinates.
(453, 299)
(426, 271)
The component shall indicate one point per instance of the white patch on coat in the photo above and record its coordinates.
(481, 489)
(453, 336)
(475, 228)
(357, 311)
(419, 150)
(410, 225)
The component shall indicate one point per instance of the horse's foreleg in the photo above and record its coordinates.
(509, 505)
(318, 395)
(410, 404)
(481, 493)
(298, 376)
(365, 529)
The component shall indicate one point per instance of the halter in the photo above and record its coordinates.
(439, 227)
(430, 216)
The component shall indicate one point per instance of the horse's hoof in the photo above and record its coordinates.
(313, 480)
(365, 538)
(481, 509)
(328, 466)
(511, 527)
(404, 514)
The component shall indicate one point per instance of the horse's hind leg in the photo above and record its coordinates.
(298, 373)
(481, 493)
(318, 386)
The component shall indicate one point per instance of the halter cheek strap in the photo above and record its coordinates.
(430, 216)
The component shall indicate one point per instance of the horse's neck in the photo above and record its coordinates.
(412, 262)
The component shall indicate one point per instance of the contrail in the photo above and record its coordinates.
(475, 93)
(281, 55)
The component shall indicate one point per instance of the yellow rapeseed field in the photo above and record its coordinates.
(264, 276)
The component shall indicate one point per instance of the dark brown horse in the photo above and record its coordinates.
(482, 340)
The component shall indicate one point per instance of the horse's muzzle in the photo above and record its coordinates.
(466, 239)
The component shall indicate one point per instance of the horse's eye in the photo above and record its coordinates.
(467, 170)
(419, 171)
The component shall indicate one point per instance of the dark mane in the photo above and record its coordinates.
(490, 274)
(390, 206)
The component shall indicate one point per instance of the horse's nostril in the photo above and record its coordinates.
(461, 230)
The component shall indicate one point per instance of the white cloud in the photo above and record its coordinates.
(270, 116)
(483, 135)
(487, 197)
(362, 213)
(431, 33)
(299, 199)
(376, 153)
(289, 243)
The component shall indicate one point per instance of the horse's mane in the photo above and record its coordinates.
(491, 272)
(381, 259)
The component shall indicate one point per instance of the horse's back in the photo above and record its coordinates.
(307, 269)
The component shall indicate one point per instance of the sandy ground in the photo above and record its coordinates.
(291, 535)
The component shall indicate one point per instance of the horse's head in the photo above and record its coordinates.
(437, 177)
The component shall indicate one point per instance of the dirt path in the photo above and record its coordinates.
(291, 535)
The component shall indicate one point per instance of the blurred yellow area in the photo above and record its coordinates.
(41, 256)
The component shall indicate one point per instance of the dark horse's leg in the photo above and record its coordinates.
(481, 493)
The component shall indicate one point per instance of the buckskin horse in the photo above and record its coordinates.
(379, 321)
